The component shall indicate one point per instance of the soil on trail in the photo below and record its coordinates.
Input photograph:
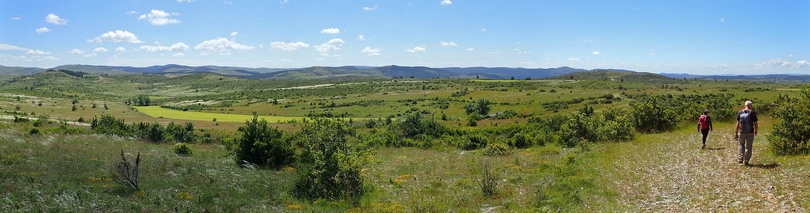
(670, 172)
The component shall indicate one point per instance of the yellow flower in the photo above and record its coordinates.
(294, 207)
(184, 196)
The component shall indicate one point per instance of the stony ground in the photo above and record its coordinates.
(671, 173)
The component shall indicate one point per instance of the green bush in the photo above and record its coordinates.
(497, 149)
(182, 149)
(330, 164)
(791, 131)
(651, 115)
(264, 146)
(34, 131)
(472, 141)
(521, 140)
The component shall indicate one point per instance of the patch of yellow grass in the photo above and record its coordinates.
(157, 112)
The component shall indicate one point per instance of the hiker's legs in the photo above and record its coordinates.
(741, 154)
(749, 144)
(705, 133)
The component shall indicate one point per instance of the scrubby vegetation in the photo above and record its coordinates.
(374, 146)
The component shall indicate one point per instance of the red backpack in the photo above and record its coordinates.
(703, 121)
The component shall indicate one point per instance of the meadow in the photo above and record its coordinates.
(71, 168)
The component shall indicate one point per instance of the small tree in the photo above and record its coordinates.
(480, 107)
(330, 164)
(791, 131)
(263, 146)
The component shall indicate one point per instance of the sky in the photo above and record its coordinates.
(690, 36)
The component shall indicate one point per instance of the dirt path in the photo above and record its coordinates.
(670, 173)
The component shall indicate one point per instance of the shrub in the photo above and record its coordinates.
(520, 140)
(264, 146)
(127, 173)
(473, 140)
(182, 149)
(791, 131)
(652, 115)
(34, 131)
(497, 149)
(39, 122)
(330, 164)
(415, 124)
(480, 107)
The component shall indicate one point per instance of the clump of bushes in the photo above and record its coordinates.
(182, 149)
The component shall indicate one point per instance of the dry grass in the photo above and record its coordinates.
(670, 173)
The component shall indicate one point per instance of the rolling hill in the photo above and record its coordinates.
(390, 71)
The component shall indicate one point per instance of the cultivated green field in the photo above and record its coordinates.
(569, 144)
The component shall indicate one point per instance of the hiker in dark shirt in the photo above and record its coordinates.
(705, 125)
(745, 131)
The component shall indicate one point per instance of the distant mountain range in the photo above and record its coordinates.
(392, 71)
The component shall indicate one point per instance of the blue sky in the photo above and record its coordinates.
(700, 37)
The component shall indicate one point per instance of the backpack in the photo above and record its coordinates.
(745, 122)
(703, 121)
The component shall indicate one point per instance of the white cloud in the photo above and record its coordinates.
(470, 49)
(288, 46)
(333, 44)
(719, 66)
(228, 2)
(225, 53)
(10, 47)
(76, 51)
(653, 54)
(518, 51)
(330, 31)
(181, 1)
(160, 17)
(483, 29)
(117, 36)
(121, 49)
(43, 30)
(99, 50)
(331, 56)
(802, 64)
(371, 52)
(90, 55)
(336, 41)
(722, 20)
(179, 46)
(16, 18)
(221, 44)
(448, 44)
(284, 2)
(178, 55)
(37, 52)
(596, 52)
(54, 19)
(370, 8)
(446, 2)
(132, 12)
(588, 40)
(777, 62)
(361, 37)
(416, 49)
(790, 55)
(573, 59)
(234, 33)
